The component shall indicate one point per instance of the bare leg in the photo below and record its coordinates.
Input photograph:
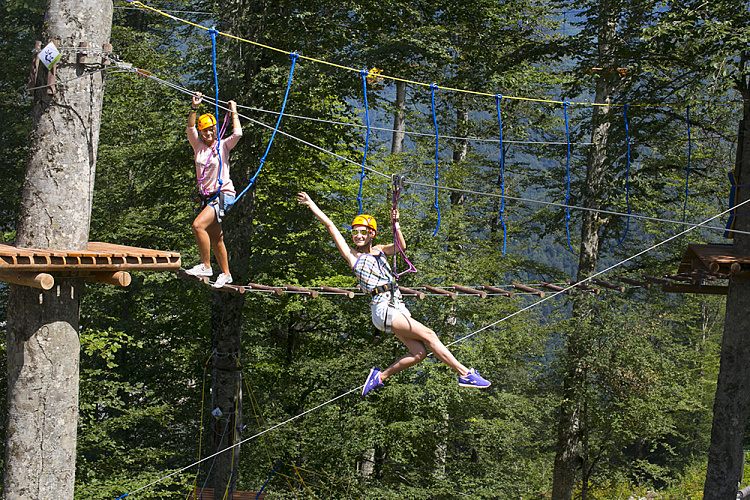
(217, 243)
(202, 238)
(416, 337)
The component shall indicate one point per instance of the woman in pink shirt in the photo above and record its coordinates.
(216, 189)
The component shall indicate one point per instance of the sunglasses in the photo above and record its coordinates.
(363, 232)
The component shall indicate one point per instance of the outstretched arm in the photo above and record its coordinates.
(346, 251)
(197, 98)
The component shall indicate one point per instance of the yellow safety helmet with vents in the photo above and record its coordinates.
(206, 121)
(366, 220)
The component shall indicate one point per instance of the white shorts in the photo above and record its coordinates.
(383, 314)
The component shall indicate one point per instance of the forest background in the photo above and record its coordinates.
(650, 358)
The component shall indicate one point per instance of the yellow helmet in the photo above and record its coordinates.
(206, 121)
(366, 220)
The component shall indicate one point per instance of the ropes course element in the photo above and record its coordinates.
(294, 57)
(627, 175)
(461, 339)
(364, 73)
(354, 70)
(437, 147)
(502, 166)
(126, 67)
(687, 168)
(567, 175)
(397, 182)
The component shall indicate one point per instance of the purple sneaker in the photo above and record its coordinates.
(372, 382)
(473, 379)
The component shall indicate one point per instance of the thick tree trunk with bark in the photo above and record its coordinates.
(42, 330)
(732, 403)
(399, 119)
(572, 416)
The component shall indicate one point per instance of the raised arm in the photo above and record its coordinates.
(346, 251)
(197, 98)
(390, 249)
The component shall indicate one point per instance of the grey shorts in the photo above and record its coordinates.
(383, 314)
(221, 206)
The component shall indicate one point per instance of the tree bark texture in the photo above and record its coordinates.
(570, 427)
(399, 119)
(732, 402)
(42, 330)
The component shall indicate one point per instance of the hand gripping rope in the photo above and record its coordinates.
(294, 57)
(364, 74)
(437, 143)
(502, 164)
(567, 176)
(627, 173)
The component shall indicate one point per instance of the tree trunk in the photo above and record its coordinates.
(570, 422)
(399, 119)
(42, 330)
(462, 146)
(732, 403)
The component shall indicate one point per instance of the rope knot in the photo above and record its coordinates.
(294, 55)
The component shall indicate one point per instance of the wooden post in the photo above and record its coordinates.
(555, 288)
(528, 289)
(311, 293)
(440, 291)
(117, 278)
(340, 291)
(498, 291)
(472, 291)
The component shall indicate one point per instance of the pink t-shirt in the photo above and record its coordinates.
(210, 171)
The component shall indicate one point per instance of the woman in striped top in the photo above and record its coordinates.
(370, 265)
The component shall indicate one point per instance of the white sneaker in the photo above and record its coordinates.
(223, 279)
(200, 270)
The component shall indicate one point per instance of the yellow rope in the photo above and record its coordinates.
(394, 78)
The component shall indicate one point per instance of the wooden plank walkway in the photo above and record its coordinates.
(97, 257)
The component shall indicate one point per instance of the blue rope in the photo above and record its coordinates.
(502, 164)
(294, 57)
(364, 74)
(437, 144)
(269, 478)
(687, 170)
(627, 172)
(216, 104)
(567, 174)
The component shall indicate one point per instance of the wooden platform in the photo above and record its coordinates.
(717, 259)
(208, 494)
(103, 262)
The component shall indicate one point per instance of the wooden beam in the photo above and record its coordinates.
(117, 278)
(607, 284)
(704, 289)
(654, 279)
(472, 291)
(311, 293)
(498, 291)
(183, 274)
(555, 288)
(633, 282)
(409, 291)
(585, 288)
(42, 281)
(528, 289)
(275, 290)
(440, 291)
(339, 291)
